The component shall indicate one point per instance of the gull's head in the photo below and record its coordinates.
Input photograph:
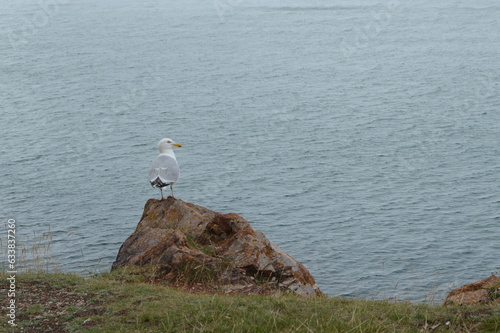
(166, 144)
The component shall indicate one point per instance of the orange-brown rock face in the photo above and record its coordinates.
(174, 234)
(481, 292)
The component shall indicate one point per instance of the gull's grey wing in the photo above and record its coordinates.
(166, 168)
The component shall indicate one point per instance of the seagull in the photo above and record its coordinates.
(165, 170)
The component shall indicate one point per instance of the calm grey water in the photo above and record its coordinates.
(361, 136)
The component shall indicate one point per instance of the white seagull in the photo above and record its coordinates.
(165, 170)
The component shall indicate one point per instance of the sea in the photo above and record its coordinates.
(361, 136)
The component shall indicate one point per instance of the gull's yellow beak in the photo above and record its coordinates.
(176, 144)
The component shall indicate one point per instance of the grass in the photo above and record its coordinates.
(134, 300)
(118, 302)
(494, 292)
(33, 254)
(207, 249)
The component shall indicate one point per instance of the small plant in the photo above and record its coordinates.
(33, 255)
(209, 250)
(35, 309)
(134, 274)
(192, 272)
(494, 292)
(262, 279)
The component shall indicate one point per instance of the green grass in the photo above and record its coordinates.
(121, 303)
(207, 249)
(494, 292)
(128, 301)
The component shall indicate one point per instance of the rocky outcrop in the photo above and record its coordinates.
(486, 291)
(193, 244)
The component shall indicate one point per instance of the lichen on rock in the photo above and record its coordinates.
(486, 291)
(195, 244)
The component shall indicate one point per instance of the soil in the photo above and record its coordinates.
(44, 307)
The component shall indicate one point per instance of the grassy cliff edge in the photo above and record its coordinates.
(121, 302)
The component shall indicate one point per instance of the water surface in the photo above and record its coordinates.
(361, 136)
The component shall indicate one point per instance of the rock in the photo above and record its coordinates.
(481, 292)
(194, 245)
